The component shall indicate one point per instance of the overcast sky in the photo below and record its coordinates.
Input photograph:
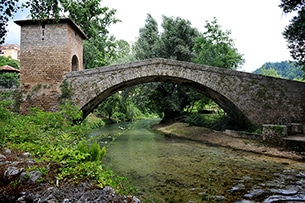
(256, 26)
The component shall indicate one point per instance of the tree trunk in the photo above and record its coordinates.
(169, 117)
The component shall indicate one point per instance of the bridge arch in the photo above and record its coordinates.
(248, 98)
(227, 105)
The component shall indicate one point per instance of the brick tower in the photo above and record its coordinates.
(48, 50)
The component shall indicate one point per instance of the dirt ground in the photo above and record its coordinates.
(183, 130)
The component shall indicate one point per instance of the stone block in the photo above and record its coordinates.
(274, 134)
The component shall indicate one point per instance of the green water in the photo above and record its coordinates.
(176, 170)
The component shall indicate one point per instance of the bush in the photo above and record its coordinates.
(212, 121)
(9, 80)
(54, 138)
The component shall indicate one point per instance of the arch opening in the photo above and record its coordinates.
(228, 106)
(75, 63)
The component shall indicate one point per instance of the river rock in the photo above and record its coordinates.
(25, 155)
(288, 191)
(237, 188)
(255, 193)
(301, 175)
(30, 177)
(7, 151)
(2, 158)
(282, 198)
(12, 173)
(80, 194)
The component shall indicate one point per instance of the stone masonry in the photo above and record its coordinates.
(249, 98)
(49, 50)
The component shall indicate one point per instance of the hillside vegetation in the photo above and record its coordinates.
(284, 69)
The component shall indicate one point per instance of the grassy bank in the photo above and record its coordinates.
(205, 135)
(61, 150)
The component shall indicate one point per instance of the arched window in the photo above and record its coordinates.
(75, 63)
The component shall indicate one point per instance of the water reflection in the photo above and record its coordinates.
(175, 170)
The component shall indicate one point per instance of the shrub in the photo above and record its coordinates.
(9, 80)
(54, 138)
(212, 121)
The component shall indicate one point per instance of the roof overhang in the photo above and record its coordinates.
(53, 21)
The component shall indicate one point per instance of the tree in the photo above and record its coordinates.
(215, 48)
(9, 61)
(269, 72)
(7, 10)
(110, 105)
(146, 45)
(177, 39)
(294, 33)
(285, 69)
(122, 52)
(94, 20)
(175, 42)
(44, 9)
(9, 80)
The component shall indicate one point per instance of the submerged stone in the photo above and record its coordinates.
(255, 193)
(282, 198)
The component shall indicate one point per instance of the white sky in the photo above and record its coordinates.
(256, 26)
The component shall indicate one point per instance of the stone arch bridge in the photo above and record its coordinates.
(248, 98)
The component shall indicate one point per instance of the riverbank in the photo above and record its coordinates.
(201, 134)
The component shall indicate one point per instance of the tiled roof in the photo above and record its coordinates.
(9, 68)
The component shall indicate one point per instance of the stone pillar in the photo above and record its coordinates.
(274, 134)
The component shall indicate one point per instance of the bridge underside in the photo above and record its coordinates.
(228, 106)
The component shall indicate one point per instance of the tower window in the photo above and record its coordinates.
(75, 63)
(42, 31)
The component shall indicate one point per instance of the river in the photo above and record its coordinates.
(165, 169)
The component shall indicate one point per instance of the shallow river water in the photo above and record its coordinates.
(167, 169)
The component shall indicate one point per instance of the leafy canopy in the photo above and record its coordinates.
(180, 41)
(294, 33)
(215, 48)
(7, 10)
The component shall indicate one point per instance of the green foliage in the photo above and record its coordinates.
(215, 48)
(120, 107)
(175, 42)
(7, 10)
(110, 105)
(147, 43)
(270, 72)
(177, 39)
(122, 53)
(46, 9)
(66, 91)
(284, 69)
(94, 20)
(5, 114)
(8, 61)
(94, 122)
(180, 41)
(213, 121)
(9, 80)
(53, 138)
(294, 32)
